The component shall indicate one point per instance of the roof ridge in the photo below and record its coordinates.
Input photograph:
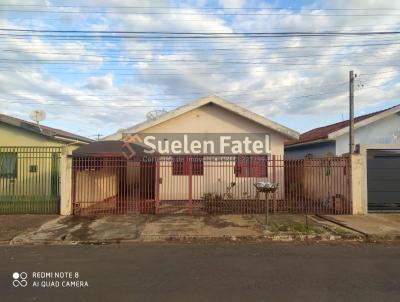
(214, 99)
(53, 131)
(323, 131)
(357, 117)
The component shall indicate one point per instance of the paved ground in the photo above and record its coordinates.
(13, 225)
(31, 229)
(212, 272)
(72, 229)
(375, 225)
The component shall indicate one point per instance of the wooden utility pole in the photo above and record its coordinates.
(351, 118)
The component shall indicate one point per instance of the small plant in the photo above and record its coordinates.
(228, 194)
(211, 196)
(294, 227)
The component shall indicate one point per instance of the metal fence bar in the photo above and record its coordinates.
(209, 185)
(29, 180)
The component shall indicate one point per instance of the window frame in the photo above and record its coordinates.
(188, 165)
(8, 175)
(245, 167)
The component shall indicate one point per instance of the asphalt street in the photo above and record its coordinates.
(201, 272)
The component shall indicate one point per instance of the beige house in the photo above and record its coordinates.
(207, 117)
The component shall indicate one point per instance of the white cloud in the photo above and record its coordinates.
(99, 83)
(160, 72)
(232, 3)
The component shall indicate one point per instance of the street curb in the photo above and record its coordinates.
(184, 238)
(343, 225)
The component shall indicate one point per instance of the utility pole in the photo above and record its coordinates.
(351, 118)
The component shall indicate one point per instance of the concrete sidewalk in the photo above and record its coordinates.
(374, 226)
(141, 228)
(14, 225)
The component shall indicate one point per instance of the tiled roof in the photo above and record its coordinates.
(43, 130)
(323, 132)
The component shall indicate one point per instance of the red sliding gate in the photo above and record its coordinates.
(209, 185)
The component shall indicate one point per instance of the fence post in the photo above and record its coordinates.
(66, 181)
(190, 167)
(274, 180)
(356, 184)
(157, 184)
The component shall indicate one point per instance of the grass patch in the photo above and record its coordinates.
(294, 227)
(29, 205)
(341, 231)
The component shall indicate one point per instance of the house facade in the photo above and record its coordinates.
(378, 128)
(210, 119)
(377, 140)
(30, 165)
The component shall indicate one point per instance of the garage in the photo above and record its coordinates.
(383, 180)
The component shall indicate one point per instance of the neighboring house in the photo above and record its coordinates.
(29, 165)
(16, 132)
(206, 118)
(382, 127)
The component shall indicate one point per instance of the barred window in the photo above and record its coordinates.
(251, 166)
(8, 165)
(186, 165)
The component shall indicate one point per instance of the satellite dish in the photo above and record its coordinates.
(153, 115)
(37, 115)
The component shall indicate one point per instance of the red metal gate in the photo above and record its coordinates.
(209, 185)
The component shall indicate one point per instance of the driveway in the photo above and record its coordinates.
(374, 225)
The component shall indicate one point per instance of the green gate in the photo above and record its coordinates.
(30, 180)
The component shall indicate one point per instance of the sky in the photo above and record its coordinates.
(99, 81)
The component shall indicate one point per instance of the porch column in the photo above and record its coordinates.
(66, 181)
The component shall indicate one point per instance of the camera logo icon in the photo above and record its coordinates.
(19, 279)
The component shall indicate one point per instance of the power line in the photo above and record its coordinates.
(181, 35)
(74, 62)
(217, 13)
(197, 33)
(200, 8)
(225, 93)
(225, 40)
(121, 55)
(231, 44)
(186, 72)
(173, 106)
(252, 92)
(159, 105)
(338, 83)
(183, 19)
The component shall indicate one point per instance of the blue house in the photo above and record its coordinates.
(382, 127)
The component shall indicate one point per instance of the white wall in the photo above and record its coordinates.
(215, 119)
(384, 131)
(212, 118)
(218, 175)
